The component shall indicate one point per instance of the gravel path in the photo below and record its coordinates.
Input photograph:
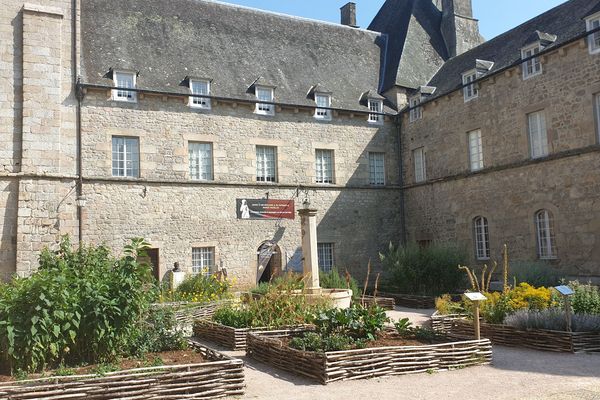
(516, 374)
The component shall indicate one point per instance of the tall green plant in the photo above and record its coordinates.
(333, 280)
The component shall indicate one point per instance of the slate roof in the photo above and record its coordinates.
(232, 45)
(416, 47)
(566, 21)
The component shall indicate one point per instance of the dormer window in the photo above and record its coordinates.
(124, 80)
(470, 91)
(376, 108)
(200, 87)
(264, 94)
(532, 65)
(593, 23)
(323, 104)
(416, 112)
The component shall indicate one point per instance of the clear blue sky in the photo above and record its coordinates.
(495, 16)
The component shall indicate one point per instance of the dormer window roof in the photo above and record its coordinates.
(542, 38)
(198, 87)
(122, 80)
(265, 94)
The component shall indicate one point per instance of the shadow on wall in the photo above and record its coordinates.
(8, 241)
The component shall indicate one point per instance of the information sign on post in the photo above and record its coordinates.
(566, 292)
(476, 297)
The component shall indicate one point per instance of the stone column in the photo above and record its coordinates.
(310, 263)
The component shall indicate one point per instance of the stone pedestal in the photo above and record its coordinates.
(310, 262)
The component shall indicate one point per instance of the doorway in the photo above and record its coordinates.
(152, 257)
(268, 262)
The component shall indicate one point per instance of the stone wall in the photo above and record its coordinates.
(512, 187)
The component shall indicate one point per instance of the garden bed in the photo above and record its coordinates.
(387, 303)
(220, 376)
(545, 340)
(227, 336)
(270, 348)
(411, 301)
(187, 313)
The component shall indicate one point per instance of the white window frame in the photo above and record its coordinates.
(323, 114)
(546, 239)
(420, 165)
(324, 166)
(416, 112)
(475, 144)
(597, 112)
(326, 256)
(264, 108)
(593, 39)
(482, 238)
(121, 94)
(471, 91)
(533, 66)
(538, 134)
(375, 106)
(266, 168)
(377, 168)
(200, 102)
(128, 157)
(199, 154)
(203, 261)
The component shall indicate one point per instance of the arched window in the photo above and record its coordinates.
(482, 238)
(544, 223)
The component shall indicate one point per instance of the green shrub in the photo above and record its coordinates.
(157, 333)
(586, 299)
(312, 341)
(428, 271)
(535, 273)
(554, 320)
(235, 317)
(200, 288)
(81, 306)
(357, 322)
(289, 281)
(333, 280)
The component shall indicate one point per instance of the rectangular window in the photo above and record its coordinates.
(533, 66)
(594, 38)
(324, 166)
(200, 88)
(420, 167)
(416, 112)
(201, 161)
(203, 260)
(265, 94)
(124, 80)
(266, 164)
(323, 102)
(376, 106)
(470, 91)
(598, 115)
(377, 169)
(475, 150)
(125, 157)
(538, 138)
(325, 256)
(482, 238)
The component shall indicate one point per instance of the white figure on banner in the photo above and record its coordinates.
(245, 210)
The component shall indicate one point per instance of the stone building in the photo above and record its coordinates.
(202, 126)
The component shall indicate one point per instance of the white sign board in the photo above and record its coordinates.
(476, 296)
(565, 290)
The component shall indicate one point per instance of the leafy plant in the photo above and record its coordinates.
(158, 332)
(357, 322)
(333, 280)
(586, 299)
(312, 341)
(404, 327)
(445, 306)
(289, 281)
(234, 316)
(534, 273)
(553, 319)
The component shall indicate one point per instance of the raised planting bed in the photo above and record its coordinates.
(187, 313)
(271, 348)
(228, 337)
(411, 301)
(386, 303)
(557, 341)
(220, 376)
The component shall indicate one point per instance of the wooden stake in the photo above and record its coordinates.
(476, 321)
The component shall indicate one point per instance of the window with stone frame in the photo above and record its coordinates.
(125, 157)
(482, 238)
(416, 112)
(266, 164)
(376, 107)
(324, 166)
(597, 112)
(201, 161)
(531, 66)
(544, 223)
(325, 256)
(593, 23)
(124, 80)
(470, 90)
(199, 88)
(203, 260)
(475, 150)
(377, 169)
(323, 102)
(420, 165)
(538, 137)
(265, 94)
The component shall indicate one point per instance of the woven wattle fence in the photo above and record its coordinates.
(187, 313)
(387, 303)
(220, 377)
(411, 301)
(268, 347)
(556, 341)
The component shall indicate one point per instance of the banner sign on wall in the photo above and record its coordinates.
(265, 209)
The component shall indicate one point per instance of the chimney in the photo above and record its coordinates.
(349, 15)
(459, 29)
